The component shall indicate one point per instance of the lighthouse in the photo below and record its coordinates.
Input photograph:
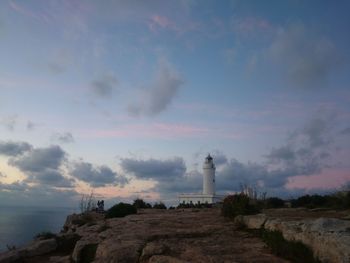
(208, 176)
(208, 195)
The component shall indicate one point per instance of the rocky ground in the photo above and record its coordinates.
(161, 236)
(327, 233)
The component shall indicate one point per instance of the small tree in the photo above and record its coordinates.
(159, 205)
(139, 203)
(87, 203)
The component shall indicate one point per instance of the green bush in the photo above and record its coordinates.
(238, 204)
(121, 210)
(159, 205)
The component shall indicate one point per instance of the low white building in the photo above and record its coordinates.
(208, 195)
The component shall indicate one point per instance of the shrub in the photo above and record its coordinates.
(139, 203)
(11, 247)
(159, 205)
(340, 200)
(121, 210)
(294, 251)
(238, 204)
(274, 202)
(45, 235)
(87, 203)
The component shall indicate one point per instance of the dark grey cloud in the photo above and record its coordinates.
(170, 175)
(220, 157)
(39, 158)
(158, 97)
(97, 176)
(10, 148)
(64, 137)
(105, 85)
(43, 166)
(154, 169)
(308, 58)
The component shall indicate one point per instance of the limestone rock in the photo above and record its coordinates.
(254, 221)
(153, 248)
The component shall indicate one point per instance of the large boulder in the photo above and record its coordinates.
(252, 221)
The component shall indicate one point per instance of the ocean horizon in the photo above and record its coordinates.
(20, 224)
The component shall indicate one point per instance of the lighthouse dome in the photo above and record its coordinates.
(208, 163)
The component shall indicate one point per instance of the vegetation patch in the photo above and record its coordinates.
(121, 210)
(239, 204)
(45, 235)
(339, 200)
(294, 251)
(159, 205)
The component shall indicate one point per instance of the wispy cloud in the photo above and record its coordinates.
(105, 85)
(9, 122)
(64, 137)
(308, 58)
(160, 94)
(153, 130)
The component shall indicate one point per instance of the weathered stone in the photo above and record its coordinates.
(254, 221)
(39, 247)
(153, 248)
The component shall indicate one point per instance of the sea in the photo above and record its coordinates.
(19, 225)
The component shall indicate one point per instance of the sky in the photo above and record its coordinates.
(126, 98)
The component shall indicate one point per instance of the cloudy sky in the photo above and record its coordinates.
(126, 98)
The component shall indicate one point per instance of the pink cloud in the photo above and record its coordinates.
(328, 179)
(154, 130)
(159, 22)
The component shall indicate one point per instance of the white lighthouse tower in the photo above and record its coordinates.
(208, 195)
(208, 176)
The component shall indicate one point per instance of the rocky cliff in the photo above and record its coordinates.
(150, 236)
